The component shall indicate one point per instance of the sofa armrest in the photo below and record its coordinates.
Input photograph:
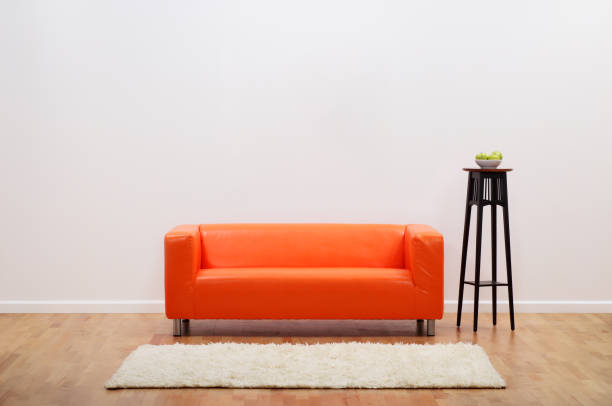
(424, 256)
(183, 257)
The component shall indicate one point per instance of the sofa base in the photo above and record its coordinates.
(177, 325)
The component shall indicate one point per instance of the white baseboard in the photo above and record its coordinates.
(82, 306)
(157, 306)
(535, 306)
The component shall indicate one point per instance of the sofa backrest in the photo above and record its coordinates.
(302, 245)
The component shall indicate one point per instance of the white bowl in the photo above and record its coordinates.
(488, 163)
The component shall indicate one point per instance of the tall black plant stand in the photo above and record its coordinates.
(486, 187)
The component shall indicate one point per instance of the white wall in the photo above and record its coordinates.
(119, 120)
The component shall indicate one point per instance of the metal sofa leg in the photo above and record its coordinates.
(420, 327)
(177, 327)
(431, 327)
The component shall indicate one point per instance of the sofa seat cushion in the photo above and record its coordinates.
(304, 293)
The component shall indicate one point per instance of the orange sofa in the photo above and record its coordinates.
(304, 271)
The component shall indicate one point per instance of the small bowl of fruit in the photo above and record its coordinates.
(489, 161)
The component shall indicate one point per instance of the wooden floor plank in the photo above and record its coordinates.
(64, 359)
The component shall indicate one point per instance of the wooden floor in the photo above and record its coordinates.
(64, 359)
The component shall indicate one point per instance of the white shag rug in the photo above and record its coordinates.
(341, 365)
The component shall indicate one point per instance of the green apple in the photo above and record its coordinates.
(496, 155)
(481, 155)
